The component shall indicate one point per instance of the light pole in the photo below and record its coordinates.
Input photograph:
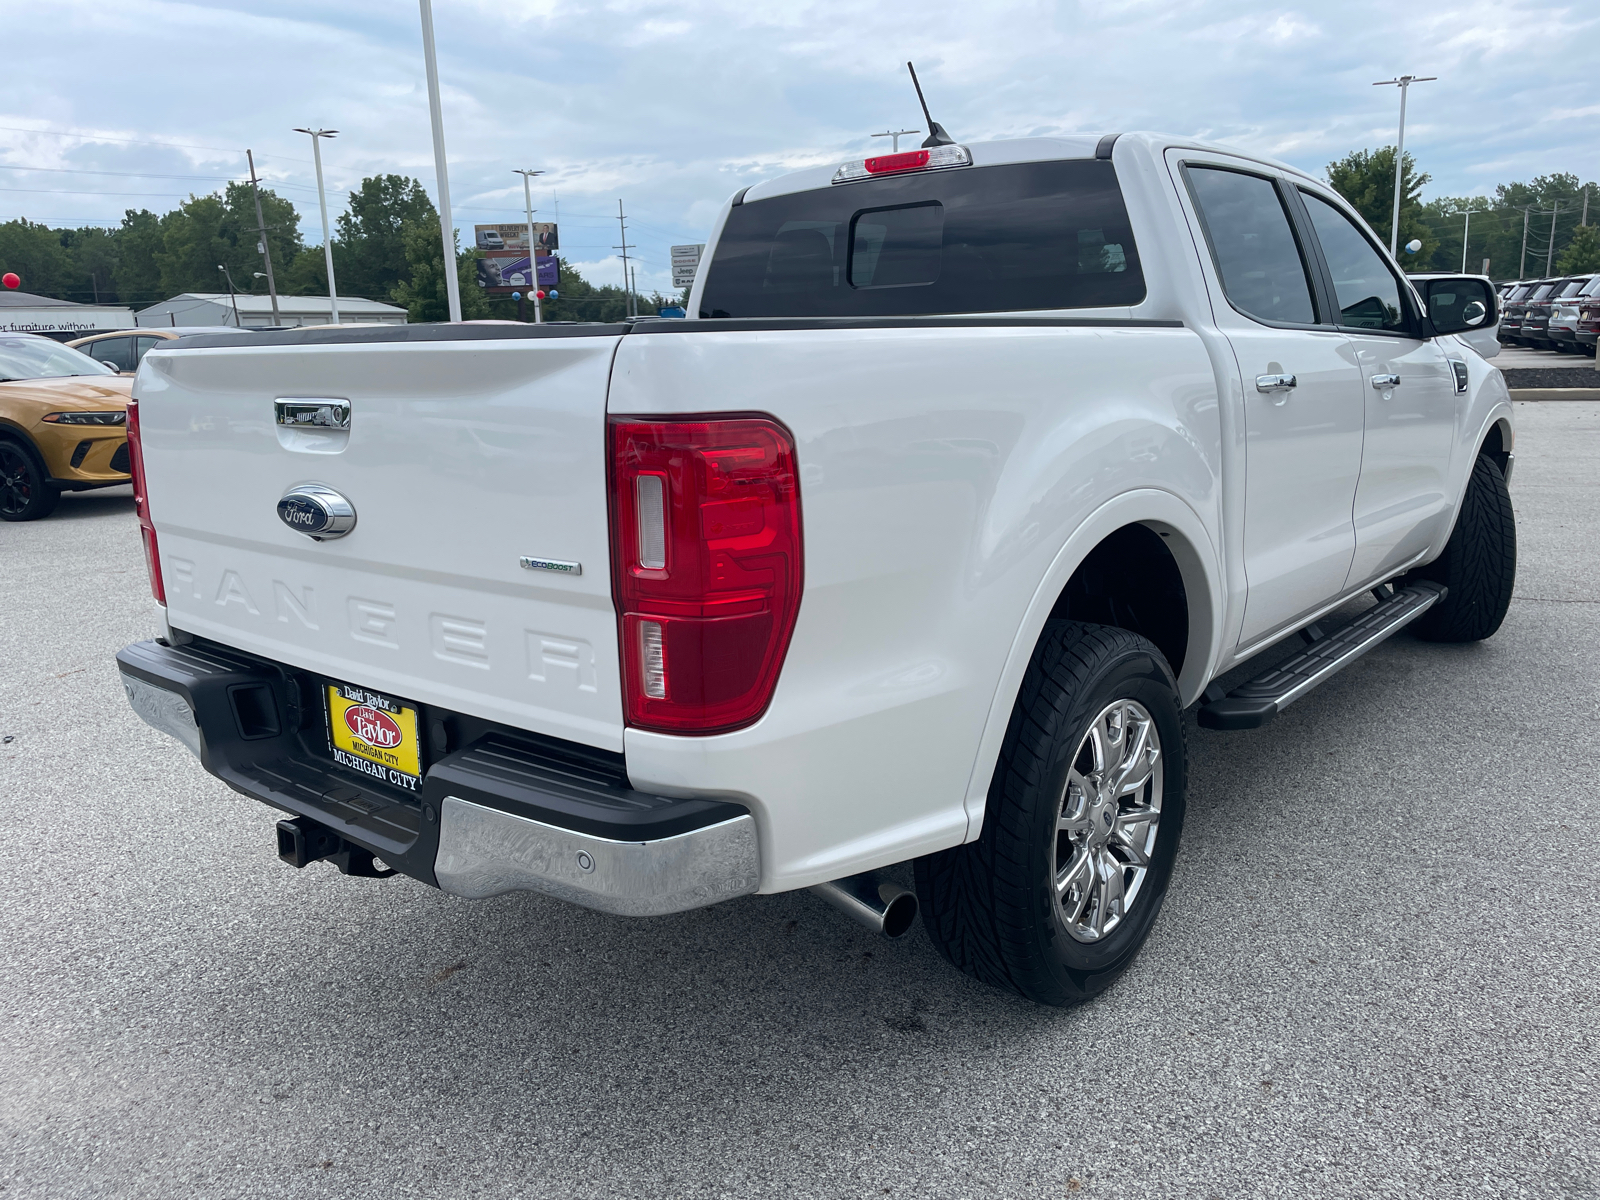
(229, 277)
(1404, 82)
(896, 134)
(447, 231)
(1466, 227)
(322, 202)
(533, 270)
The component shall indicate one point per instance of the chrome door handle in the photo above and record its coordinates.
(1384, 382)
(1275, 383)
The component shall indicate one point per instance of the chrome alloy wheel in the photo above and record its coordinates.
(1109, 815)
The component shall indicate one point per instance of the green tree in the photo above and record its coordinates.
(423, 294)
(36, 254)
(1518, 227)
(136, 274)
(92, 252)
(1366, 179)
(206, 231)
(307, 275)
(369, 254)
(1582, 252)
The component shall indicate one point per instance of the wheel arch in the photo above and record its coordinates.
(1164, 523)
(1496, 436)
(10, 429)
(1497, 440)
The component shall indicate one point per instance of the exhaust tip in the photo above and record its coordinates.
(879, 905)
(900, 914)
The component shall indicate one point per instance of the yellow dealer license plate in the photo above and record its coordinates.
(374, 735)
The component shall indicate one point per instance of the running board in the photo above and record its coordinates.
(1253, 704)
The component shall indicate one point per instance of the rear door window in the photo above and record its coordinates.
(1253, 244)
(1047, 235)
(144, 347)
(117, 352)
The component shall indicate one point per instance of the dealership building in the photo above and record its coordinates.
(255, 312)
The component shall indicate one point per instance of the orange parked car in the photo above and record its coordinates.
(63, 425)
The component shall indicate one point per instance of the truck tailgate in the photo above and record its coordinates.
(461, 458)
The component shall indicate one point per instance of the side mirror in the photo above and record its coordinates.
(106, 362)
(1460, 304)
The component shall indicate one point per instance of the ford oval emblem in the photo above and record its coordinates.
(317, 511)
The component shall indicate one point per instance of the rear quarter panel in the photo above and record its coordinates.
(942, 473)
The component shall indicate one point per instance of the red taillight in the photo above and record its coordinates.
(884, 164)
(706, 561)
(141, 506)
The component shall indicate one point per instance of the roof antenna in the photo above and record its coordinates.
(936, 134)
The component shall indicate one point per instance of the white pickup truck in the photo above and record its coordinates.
(971, 469)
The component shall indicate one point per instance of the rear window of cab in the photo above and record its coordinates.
(1019, 237)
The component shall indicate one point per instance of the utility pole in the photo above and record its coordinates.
(322, 202)
(1585, 220)
(896, 134)
(447, 229)
(1404, 82)
(627, 279)
(261, 231)
(1522, 263)
(1551, 253)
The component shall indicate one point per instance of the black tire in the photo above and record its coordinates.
(25, 491)
(990, 906)
(1479, 563)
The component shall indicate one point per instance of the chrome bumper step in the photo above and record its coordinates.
(1254, 703)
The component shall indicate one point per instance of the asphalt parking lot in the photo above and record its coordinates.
(1376, 974)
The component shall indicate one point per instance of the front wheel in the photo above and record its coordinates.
(1479, 563)
(25, 493)
(1081, 826)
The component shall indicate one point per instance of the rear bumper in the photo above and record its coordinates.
(498, 810)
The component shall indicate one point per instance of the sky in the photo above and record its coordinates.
(673, 106)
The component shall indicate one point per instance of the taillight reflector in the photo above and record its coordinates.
(707, 568)
(141, 504)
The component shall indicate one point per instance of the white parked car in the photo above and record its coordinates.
(973, 467)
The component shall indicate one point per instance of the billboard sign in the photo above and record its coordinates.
(501, 271)
(685, 262)
(493, 238)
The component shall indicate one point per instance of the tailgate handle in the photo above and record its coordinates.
(327, 414)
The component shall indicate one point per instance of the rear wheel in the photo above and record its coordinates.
(1479, 563)
(25, 494)
(1081, 826)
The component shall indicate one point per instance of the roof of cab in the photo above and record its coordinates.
(1018, 150)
